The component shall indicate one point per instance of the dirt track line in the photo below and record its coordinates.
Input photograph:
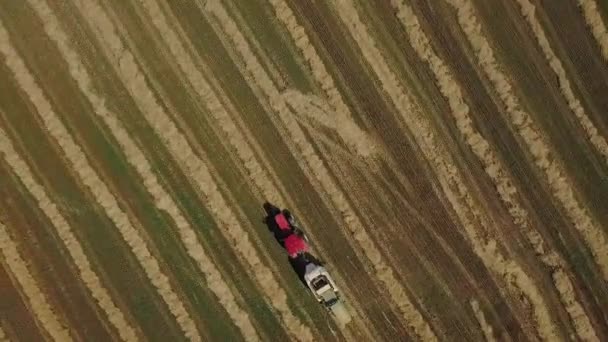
(100, 191)
(597, 140)
(596, 24)
(88, 276)
(348, 129)
(134, 79)
(542, 155)
(35, 296)
(263, 81)
(485, 327)
(138, 160)
(460, 110)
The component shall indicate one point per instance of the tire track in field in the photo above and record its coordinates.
(552, 168)
(37, 301)
(135, 82)
(486, 248)
(263, 81)
(348, 129)
(581, 218)
(138, 160)
(596, 139)
(460, 110)
(596, 24)
(100, 191)
(487, 329)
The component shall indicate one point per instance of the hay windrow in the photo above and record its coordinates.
(138, 160)
(36, 298)
(487, 329)
(352, 134)
(590, 231)
(597, 140)
(88, 276)
(541, 152)
(263, 81)
(596, 24)
(98, 188)
(194, 167)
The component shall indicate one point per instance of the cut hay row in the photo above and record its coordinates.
(553, 169)
(100, 190)
(596, 24)
(460, 110)
(3, 337)
(488, 332)
(597, 140)
(137, 159)
(448, 175)
(36, 299)
(65, 232)
(352, 134)
(591, 232)
(263, 81)
(193, 166)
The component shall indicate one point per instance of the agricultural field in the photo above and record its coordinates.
(447, 159)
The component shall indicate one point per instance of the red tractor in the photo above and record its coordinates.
(310, 270)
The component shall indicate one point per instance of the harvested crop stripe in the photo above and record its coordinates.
(487, 250)
(452, 92)
(135, 82)
(541, 152)
(138, 160)
(35, 296)
(485, 327)
(597, 140)
(596, 24)
(591, 232)
(88, 276)
(348, 129)
(263, 81)
(100, 191)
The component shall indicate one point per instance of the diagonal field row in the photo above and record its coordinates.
(448, 165)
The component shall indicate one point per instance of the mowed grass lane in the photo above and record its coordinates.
(96, 231)
(48, 259)
(178, 185)
(189, 115)
(164, 235)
